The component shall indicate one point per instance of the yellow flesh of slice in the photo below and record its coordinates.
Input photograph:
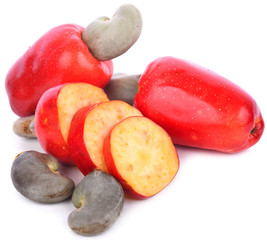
(73, 97)
(144, 155)
(98, 124)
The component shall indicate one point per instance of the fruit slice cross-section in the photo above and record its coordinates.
(73, 97)
(89, 128)
(141, 155)
(55, 111)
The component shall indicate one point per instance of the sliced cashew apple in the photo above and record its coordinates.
(89, 127)
(54, 114)
(141, 156)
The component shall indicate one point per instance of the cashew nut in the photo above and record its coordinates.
(99, 199)
(108, 39)
(35, 176)
(122, 87)
(24, 127)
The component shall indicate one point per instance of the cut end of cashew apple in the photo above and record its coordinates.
(71, 98)
(55, 111)
(141, 156)
(89, 128)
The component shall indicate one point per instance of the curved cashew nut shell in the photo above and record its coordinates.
(108, 39)
(35, 176)
(99, 199)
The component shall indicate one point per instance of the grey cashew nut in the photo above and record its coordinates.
(24, 127)
(99, 199)
(35, 176)
(122, 87)
(108, 39)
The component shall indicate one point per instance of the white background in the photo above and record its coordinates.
(214, 195)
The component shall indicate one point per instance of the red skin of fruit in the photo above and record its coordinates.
(59, 56)
(76, 144)
(53, 142)
(197, 107)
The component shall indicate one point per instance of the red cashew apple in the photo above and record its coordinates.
(89, 127)
(198, 107)
(54, 114)
(141, 156)
(59, 56)
(63, 55)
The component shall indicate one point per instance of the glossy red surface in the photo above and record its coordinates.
(59, 56)
(198, 107)
(76, 142)
(47, 128)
